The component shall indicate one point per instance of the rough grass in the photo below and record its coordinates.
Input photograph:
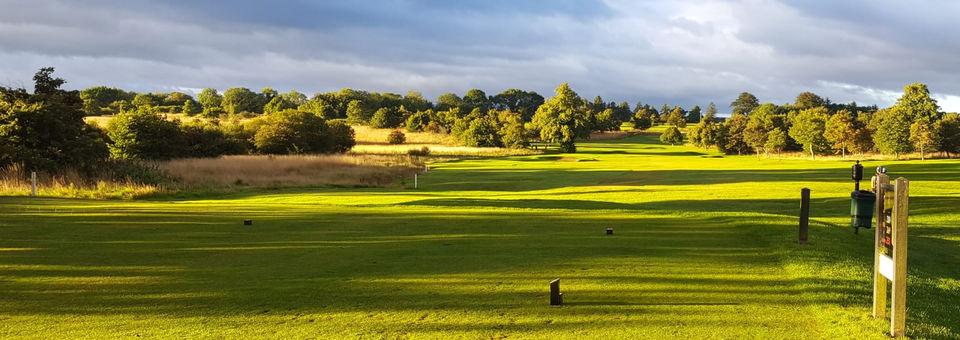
(369, 135)
(15, 181)
(291, 171)
(704, 247)
(439, 150)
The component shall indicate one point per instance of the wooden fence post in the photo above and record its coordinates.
(804, 215)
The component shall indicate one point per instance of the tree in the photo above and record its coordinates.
(808, 129)
(776, 141)
(418, 121)
(512, 132)
(730, 137)
(319, 107)
(476, 99)
(278, 104)
(745, 103)
(671, 135)
(760, 122)
(294, 97)
(144, 134)
(694, 116)
(341, 137)
(711, 114)
(949, 128)
(415, 102)
(664, 114)
(482, 132)
(924, 137)
(916, 103)
(45, 130)
(677, 117)
(357, 113)
(209, 99)
(643, 118)
(448, 101)
(97, 99)
(607, 120)
(191, 107)
(386, 118)
(841, 132)
(562, 119)
(515, 100)
(176, 98)
(204, 139)
(808, 100)
(292, 132)
(892, 136)
(265, 96)
(240, 99)
(146, 100)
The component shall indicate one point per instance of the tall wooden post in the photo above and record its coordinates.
(804, 215)
(890, 251)
(33, 184)
(898, 303)
(879, 282)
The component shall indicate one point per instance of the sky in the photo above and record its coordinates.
(656, 52)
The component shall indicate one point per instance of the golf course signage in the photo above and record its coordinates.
(890, 250)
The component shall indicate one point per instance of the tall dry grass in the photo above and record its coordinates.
(440, 150)
(290, 171)
(369, 135)
(15, 181)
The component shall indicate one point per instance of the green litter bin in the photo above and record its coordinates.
(861, 208)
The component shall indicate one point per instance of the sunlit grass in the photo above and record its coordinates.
(704, 247)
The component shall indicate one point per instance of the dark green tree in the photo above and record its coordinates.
(241, 100)
(563, 119)
(808, 100)
(745, 103)
(671, 135)
(45, 130)
(144, 134)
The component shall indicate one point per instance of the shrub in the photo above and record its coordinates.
(424, 151)
(191, 107)
(397, 137)
(341, 136)
(292, 132)
(672, 136)
(143, 134)
(481, 132)
(208, 140)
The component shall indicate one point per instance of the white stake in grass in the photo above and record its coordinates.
(33, 184)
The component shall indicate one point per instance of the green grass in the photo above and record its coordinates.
(704, 248)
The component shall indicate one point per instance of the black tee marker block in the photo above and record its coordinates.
(556, 297)
(247, 222)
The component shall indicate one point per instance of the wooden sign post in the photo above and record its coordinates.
(890, 251)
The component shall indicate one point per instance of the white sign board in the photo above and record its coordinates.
(886, 267)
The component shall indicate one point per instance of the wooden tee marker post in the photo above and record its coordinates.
(890, 251)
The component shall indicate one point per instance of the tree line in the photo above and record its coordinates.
(815, 125)
(45, 130)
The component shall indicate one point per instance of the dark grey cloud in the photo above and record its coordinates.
(687, 52)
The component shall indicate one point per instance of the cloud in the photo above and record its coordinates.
(685, 52)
